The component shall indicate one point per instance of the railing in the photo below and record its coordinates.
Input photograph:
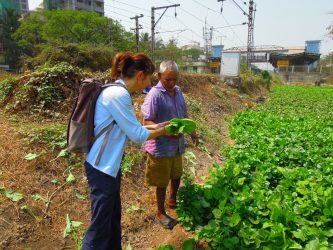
(294, 69)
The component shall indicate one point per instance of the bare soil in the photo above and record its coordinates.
(42, 228)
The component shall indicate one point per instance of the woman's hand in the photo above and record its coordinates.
(156, 126)
(162, 124)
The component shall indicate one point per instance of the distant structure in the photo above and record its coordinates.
(88, 5)
(301, 66)
(214, 61)
(24, 7)
(11, 4)
(313, 46)
(21, 8)
(192, 45)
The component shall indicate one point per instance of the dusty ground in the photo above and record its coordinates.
(39, 226)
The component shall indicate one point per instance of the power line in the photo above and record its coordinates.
(117, 19)
(130, 5)
(154, 23)
(178, 20)
(169, 31)
(205, 6)
(233, 31)
(244, 12)
(222, 17)
(129, 11)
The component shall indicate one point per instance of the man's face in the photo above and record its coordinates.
(169, 79)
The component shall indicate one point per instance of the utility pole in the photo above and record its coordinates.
(137, 28)
(153, 25)
(250, 39)
(208, 37)
(221, 4)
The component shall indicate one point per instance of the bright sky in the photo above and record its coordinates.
(277, 22)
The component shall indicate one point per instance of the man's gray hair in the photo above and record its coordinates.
(168, 66)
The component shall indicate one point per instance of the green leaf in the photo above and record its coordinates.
(166, 247)
(299, 235)
(234, 220)
(328, 233)
(37, 197)
(241, 181)
(327, 212)
(189, 245)
(55, 181)
(128, 247)
(31, 156)
(134, 208)
(71, 178)
(79, 195)
(13, 195)
(177, 126)
(312, 245)
(204, 203)
(63, 153)
(217, 213)
(70, 226)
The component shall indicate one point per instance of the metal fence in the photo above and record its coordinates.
(304, 68)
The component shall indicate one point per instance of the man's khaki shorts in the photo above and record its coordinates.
(159, 170)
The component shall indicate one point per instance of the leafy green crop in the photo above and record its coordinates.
(178, 126)
(275, 190)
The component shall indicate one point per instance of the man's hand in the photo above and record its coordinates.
(195, 138)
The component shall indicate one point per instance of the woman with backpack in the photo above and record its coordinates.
(132, 73)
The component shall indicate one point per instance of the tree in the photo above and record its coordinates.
(195, 53)
(145, 43)
(29, 34)
(330, 29)
(9, 24)
(122, 39)
(169, 51)
(60, 27)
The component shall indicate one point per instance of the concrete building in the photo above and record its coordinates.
(11, 4)
(24, 7)
(21, 7)
(88, 5)
(199, 66)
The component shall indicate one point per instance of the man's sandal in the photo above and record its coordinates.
(167, 222)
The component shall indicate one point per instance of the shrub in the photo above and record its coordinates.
(6, 87)
(83, 56)
(250, 81)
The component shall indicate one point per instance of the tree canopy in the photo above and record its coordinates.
(59, 27)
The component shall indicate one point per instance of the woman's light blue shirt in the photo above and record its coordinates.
(115, 104)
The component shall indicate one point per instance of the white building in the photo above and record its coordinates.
(88, 5)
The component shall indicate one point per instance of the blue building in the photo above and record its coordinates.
(217, 50)
(312, 46)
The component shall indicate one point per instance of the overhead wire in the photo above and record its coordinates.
(233, 31)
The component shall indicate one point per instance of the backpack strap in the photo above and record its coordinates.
(105, 140)
(107, 129)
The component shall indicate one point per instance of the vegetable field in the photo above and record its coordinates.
(275, 190)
